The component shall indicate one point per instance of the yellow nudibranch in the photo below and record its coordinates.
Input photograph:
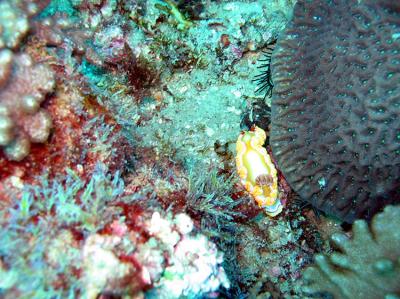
(256, 170)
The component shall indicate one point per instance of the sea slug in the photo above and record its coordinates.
(256, 170)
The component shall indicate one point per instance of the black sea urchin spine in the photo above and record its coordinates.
(264, 80)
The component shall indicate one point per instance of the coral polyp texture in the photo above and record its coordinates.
(15, 18)
(335, 130)
(23, 86)
(14, 24)
(366, 266)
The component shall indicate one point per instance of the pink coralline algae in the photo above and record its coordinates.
(110, 45)
(61, 32)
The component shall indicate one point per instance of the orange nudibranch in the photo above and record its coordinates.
(256, 170)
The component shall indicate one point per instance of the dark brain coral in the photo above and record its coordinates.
(335, 126)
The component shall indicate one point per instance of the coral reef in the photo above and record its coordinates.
(367, 265)
(80, 139)
(133, 194)
(334, 124)
(268, 254)
(193, 265)
(22, 92)
(77, 233)
(171, 263)
(14, 21)
(263, 257)
(23, 84)
(42, 231)
(70, 38)
(205, 68)
(45, 99)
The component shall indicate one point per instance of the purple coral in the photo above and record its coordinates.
(335, 130)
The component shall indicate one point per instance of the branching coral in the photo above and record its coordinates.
(334, 118)
(365, 266)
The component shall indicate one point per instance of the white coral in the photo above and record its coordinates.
(194, 264)
(174, 260)
(162, 229)
(195, 269)
(101, 267)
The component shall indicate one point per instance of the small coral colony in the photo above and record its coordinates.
(199, 149)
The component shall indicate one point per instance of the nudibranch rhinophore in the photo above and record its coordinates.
(256, 170)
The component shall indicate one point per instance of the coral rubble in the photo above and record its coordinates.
(334, 124)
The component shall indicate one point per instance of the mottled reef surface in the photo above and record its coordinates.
(118, 124)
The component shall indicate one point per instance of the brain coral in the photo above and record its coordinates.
(335, 126)
(367, 266)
